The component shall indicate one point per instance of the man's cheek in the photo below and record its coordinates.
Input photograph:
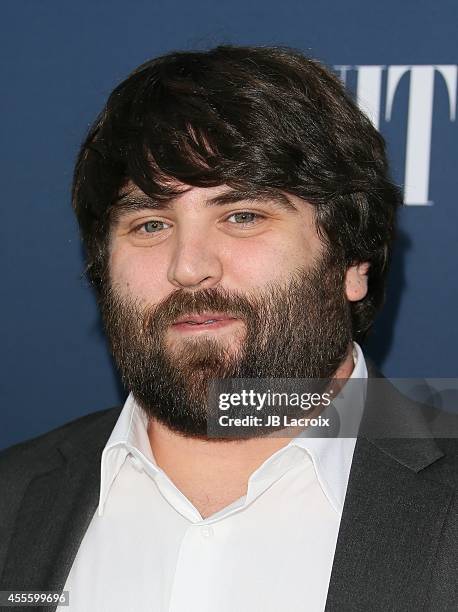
(132, 280)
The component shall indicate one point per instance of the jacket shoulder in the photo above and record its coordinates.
(26, 455)
(21, 463)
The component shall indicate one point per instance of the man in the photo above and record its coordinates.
(238, 220)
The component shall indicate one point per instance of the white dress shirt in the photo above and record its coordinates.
(147, 548)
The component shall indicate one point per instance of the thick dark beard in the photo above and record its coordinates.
(301, 329)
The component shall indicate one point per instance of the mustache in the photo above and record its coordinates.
(253, 306)
(182, 302)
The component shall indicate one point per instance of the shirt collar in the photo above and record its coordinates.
(129, 436)
(331, 457)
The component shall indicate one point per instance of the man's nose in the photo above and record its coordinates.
(195, 263)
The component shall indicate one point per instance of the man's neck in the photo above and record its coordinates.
(214, 473)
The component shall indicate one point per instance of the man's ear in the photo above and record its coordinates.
(356, 281)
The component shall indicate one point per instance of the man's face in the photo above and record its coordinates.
(256, 270)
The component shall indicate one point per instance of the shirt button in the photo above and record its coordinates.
(206, 532)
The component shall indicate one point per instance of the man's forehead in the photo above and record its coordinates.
(132, 197)
(131, 189)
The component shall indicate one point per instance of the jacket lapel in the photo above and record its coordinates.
(55, 512)
(391, 522)
(388, 536)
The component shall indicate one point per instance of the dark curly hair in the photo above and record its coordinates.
(260, 118)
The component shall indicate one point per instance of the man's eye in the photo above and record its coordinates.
(245, 218)
(150, 227)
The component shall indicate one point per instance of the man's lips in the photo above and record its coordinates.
(212, 320)
(203, 318)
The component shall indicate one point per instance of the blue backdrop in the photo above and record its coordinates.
(59, 62)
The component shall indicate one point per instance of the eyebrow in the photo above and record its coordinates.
(133, 201)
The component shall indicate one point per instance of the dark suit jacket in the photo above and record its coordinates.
(397, 548)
